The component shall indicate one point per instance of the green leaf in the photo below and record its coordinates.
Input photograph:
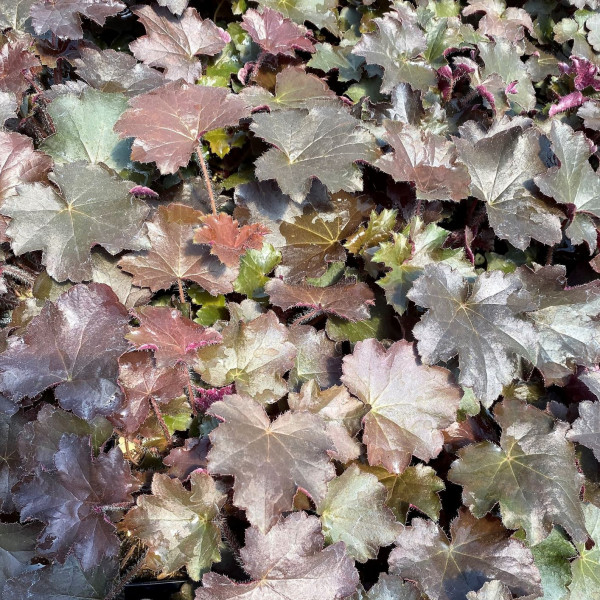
(552, 557)
(416, 486)
(353, 511)
(89, 206)
(380, 325)
(179, 527)
(532, 475)
(84, 130)
(212, 308)
(255, 265)
(586, 568)
(407, 255)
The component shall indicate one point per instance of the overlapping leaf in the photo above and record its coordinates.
(254, 355)
(294, 88)
(173, 43)
(64, 582)
(323, 142)
(116, 72)
(20, 163)
(168, 121)
(349, 301)
(73, 346)
(409, 403)
(573, 181)
(482, 324)
(354, 512)
(274, 33)
(532, 474)
(88, 206)
(288, 563)
(479, 550)
(396, 46)
(341, 412)
(63, 17)
(69, 501)
(174, 258)
(269, 461)
(502, 165)
(77, 134)
(428, 161)
(172, 337)
(179, 526)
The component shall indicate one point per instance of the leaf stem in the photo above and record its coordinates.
(206, 178)
(181, 294)
(156, 409)
(191, 392)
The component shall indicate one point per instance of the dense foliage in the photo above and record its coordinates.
(300, 300)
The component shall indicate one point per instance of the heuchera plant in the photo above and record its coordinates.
(299, 300)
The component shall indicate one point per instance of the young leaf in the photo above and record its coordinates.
(172, 43)
(408, 254)
(416, 487)
(255, 265)
(480, 550)
(396, 46)
(353, 511)
(179, 527)
(70, 499)
(427, 160)
(253, 355)
(173, 338)
(173, 258)
(349, 301)
(323, 13)
(341, 412)
(269, 461)
(116, 72)
(573, 181)
(78, 136)
(89, 206)
(20, 163)
(405, 418)
(62, 17)
(482, 324)
(168, 121)
(586, 428)
(502, 165)
(142, 383)
(274, 33)
(227, 240)
(323, 142)
(532, 474)
(312, 240)
(64, 582)
(294, 88)
(72, 344)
